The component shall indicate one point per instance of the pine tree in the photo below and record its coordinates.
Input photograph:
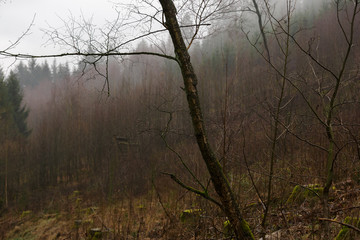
(45, 72)
(23, 74)
(4, 106)
(63, 71)
(17, 113)
(2, 101)
(54, 71)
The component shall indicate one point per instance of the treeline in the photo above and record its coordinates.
(31, 73)
(113, 146)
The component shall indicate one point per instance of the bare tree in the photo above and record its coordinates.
(80, 38)
(277, 109)
(329, 86)
(219, 180)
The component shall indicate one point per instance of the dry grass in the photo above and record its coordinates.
(141, 218)
(149, 217)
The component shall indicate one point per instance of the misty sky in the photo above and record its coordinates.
(16, 16)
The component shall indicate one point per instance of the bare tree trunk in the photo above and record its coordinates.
(221, 184)
(6, 177)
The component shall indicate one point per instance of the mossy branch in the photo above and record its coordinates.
(204, 194)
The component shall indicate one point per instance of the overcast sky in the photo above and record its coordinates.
(16, 16)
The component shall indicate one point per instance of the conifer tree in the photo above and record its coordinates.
(2, 101)
(17, 113)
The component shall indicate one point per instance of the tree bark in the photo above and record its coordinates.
(220, 182)
(6, 148)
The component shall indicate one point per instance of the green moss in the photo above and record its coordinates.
(89, 210)
(190, 215)
(227, 229)
(25, 213)
(141, 206)
(252, 205)
(75, 195)
(300, 194)
(345, 233)
(95, 234)
(246, 228)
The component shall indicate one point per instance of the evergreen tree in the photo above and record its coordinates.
(45, 72)
(16, 112)
(2, 101)
(54, 71)
(23, 74)
(33, 73)
(63, 71)
(6, 125)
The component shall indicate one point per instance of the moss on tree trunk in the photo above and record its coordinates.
(220, 182)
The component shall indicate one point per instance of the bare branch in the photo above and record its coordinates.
(24, 34)
(191, 189)
(341, 223)
(84, 54)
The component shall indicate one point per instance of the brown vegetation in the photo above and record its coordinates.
(98, 161)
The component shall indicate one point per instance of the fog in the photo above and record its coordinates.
(17, 16)
(37, 15)
(118, 143)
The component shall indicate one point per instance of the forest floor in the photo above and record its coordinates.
(154, 218)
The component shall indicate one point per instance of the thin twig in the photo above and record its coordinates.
(341, 223)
